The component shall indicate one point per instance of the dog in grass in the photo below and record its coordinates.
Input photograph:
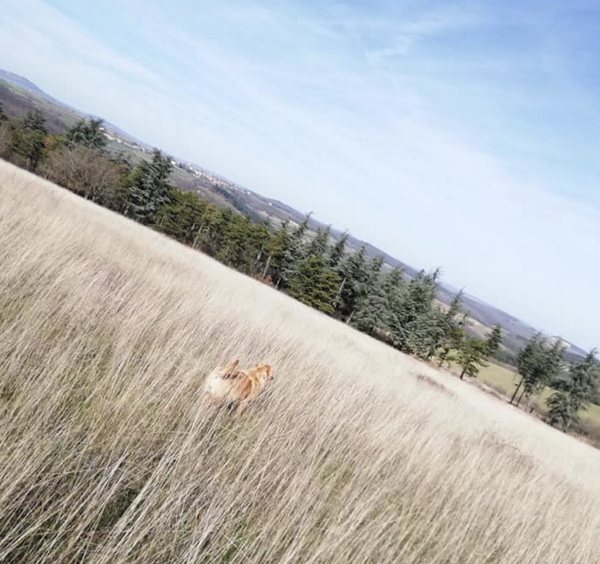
(227, 384)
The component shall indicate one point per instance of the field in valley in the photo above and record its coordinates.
(357, 453)
(504, 380)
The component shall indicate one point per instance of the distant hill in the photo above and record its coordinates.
(19, 95)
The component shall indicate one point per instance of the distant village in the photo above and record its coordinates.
(191, 168)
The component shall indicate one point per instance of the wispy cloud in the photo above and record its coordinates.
(406, 35)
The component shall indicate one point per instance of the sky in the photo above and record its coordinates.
(461, 134)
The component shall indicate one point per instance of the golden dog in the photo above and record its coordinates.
(227, 384)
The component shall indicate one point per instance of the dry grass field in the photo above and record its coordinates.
(356, 453)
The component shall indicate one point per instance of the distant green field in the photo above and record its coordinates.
(504, 381)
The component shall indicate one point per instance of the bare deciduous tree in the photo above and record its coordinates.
(86, 172)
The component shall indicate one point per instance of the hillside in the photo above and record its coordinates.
(19, 94)
(356, 453)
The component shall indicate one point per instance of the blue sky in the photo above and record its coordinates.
(459, 134)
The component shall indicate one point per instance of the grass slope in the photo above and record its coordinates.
(356, 453)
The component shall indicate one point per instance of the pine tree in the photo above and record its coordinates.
(494, 340)
(575, 394)
(182, 218)
(28, 137)
(87, 133)
(337, 251)
(277, 251)
(370, 312)
(295, 253)
(414, 318)
(314, 284)
(149, 187)
(320, 244)
(354, 272)
(538, 364)
(438, 328)
(34, 121)
(453, 342)
(471, 357)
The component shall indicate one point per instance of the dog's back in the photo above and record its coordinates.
(237, 386)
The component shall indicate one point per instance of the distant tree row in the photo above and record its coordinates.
(574, 386)
(315, 269)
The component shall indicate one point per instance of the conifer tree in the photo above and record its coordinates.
(28, 137)
(470, 356)
(87, 133)
(314, 284)
(294, 253)
(277, 252)
(453, 342)
(494, 340)
(575, 394)
(413, 319)
(182, 218)
(437, 327)
(149, 187)
(337, 251)
(371, 310)
(320, 244)
(34, 121)
(355, 273)
(538, 364)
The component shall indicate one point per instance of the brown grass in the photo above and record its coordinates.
(111, 455)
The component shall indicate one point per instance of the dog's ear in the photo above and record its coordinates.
(231, 371)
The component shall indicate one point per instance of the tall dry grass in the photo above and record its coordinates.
(110, 454)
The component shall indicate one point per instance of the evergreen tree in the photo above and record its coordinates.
(314, 284)
(494, 340)
(575, 394)
(538, 364)
(337, 251)
(28, 137)
(320, 244)
(34, 121)
(439, 328)
(355, 274)
(371, 310)
(182, 218)
(277, 252)
(87, 133)
(149, 187)
(414, 319)
(294, 253)
(3, 116)
(471, 356)
(453, 342)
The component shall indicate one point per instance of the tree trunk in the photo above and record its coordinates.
(516, 391)
(339, 292)
(266, 270)
(462, 374)
(521, 396)
(350, 318)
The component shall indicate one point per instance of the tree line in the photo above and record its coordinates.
(313, 268)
